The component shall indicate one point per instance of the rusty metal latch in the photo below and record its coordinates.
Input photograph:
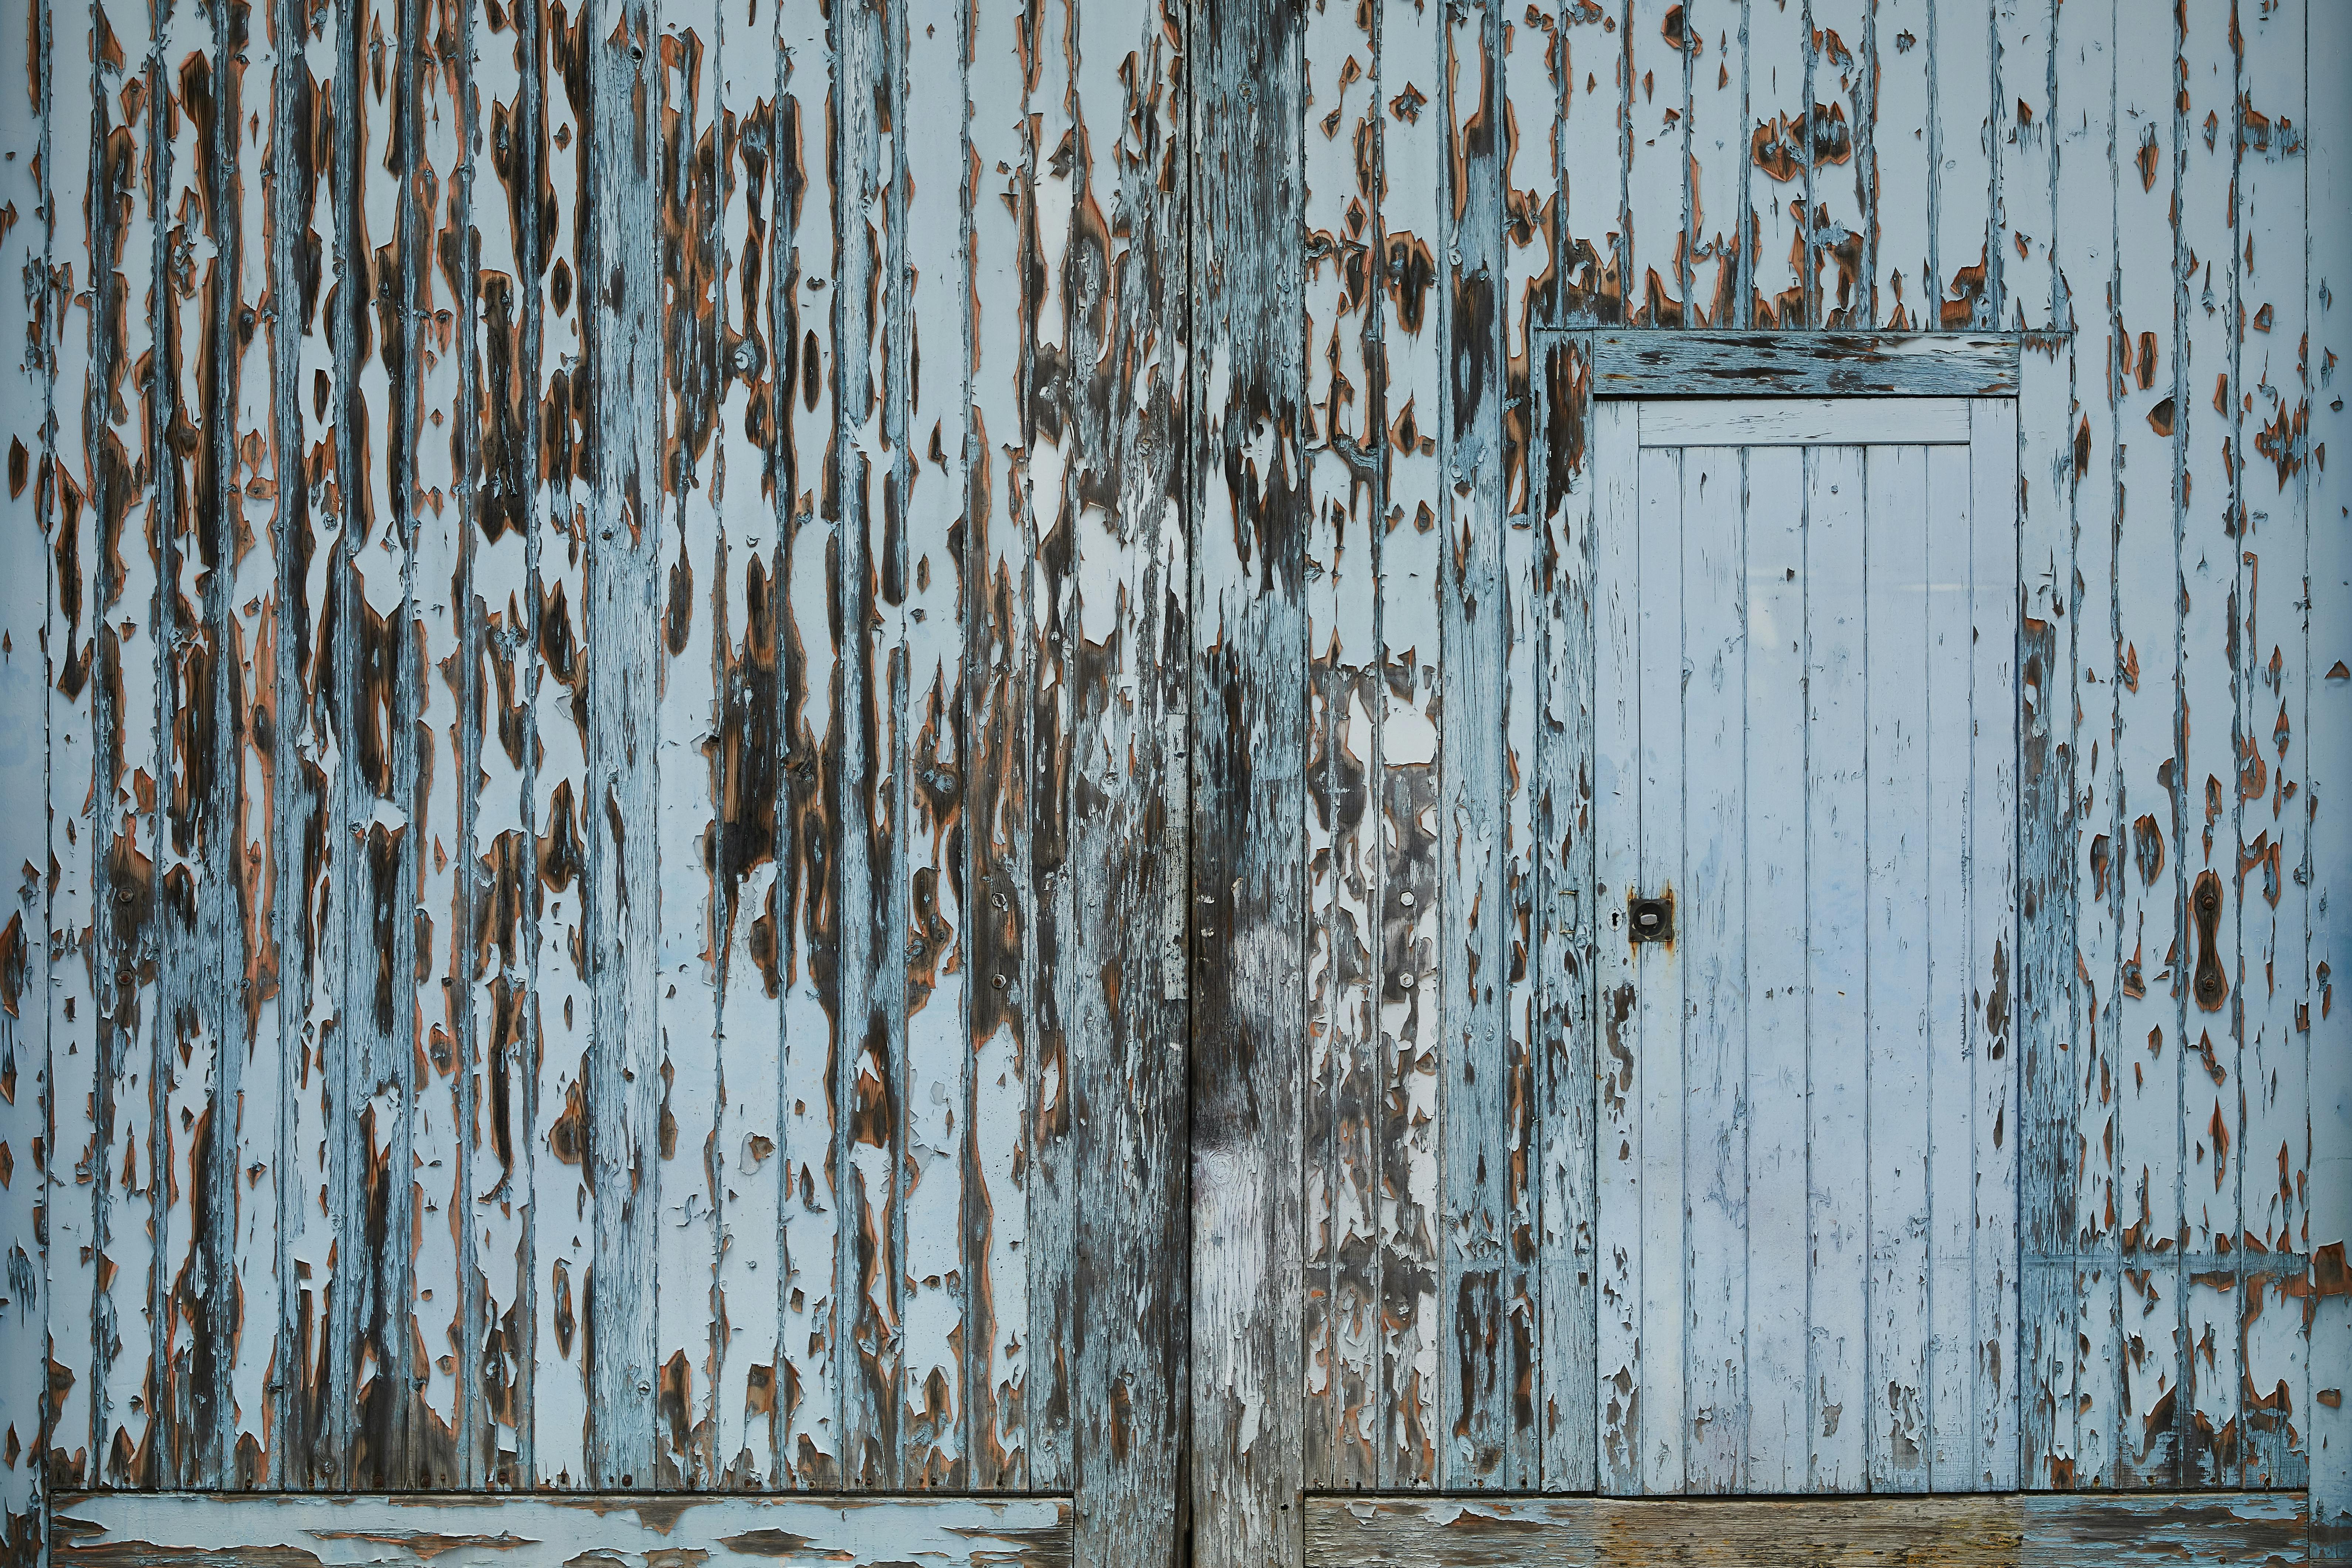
(1650, 920)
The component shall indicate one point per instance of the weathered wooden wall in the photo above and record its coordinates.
(618, 626)
(580, 582)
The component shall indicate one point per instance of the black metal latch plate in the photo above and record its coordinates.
(1651, 919)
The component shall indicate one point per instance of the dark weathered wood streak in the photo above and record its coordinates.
(1486, 1299)
(1561, 486)
(1815, 364)
(1247, 654)
(1123, 633)
(619, 642)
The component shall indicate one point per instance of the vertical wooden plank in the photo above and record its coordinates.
(1118, 973)
(1950, 1109)
(747, 491)
(807, 917)
(1001, 892)
(309, 529)
(620, 587)
(246, 1150)
(1660, 1392)
(71, 1175)
(1961, 161)
(2328, 727)
(1898, 703)
(1718, 160)
(1482, 1285)
(1118, 993)
(2027, 99)
(1837, 869)
(2148, 1024)
(186, 178)
(1410, 365)
(1773, 906)
(1995, 699)
(1617, 810)
(1049, 62)
(1840, 221)
(1248, 630)
(1528, 89)
(1341, 1329)
(25, 754)
(376, 692)
(498, 325)
(1781, 163)
(1711, 935)
(1779, 157)
(563, 1201)
(685, 543)
(1590, 63)
(2271, 415)
(1658, 40)
(2029, 106)
(870, 611)
(445, 787)
(1531, 85)
(123, 247)
(1902, 179)
(932, 1263)
(2206, 517)
(1565, 914)
(1522, 1153)
(2068, 1342)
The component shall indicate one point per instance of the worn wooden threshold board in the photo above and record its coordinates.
(2034, 1531)
(635, 1529)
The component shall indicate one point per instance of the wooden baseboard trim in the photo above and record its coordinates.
(163, 1530)
(2007, 1530)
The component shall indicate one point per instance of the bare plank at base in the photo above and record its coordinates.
(613, 1532)
(2007, 1532)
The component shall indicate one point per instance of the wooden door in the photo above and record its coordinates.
(1804, 753)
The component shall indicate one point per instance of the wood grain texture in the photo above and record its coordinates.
(1248, 799)
(2045, 1531)
(1817, 364)
(634, 1530)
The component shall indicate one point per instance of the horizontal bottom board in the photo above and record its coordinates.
(154, 1530)
(2008, 1531)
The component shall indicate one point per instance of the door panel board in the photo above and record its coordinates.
(1805, 422)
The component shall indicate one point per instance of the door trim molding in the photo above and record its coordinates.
(1803, 422)
(1803, 364)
